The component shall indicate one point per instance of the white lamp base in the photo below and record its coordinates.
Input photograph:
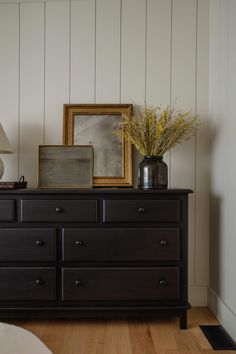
(1, 168)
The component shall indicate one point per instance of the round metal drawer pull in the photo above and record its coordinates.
(141, 210)
(163, 243)
(39, 282)
(39, 243)
(163, 282)
(79, 243)
(59, 210)
(79, 282)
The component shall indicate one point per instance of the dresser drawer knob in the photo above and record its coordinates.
(163, 243)
(141, 210)
(39, 243)
(163, 282)
(39, 282)
(79, 282)
(59, 210)
(79, 243)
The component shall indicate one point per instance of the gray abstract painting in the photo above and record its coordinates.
(97, 130)
(65, 166)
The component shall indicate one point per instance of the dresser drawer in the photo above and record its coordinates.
(27, 245)
(7, 210)
(120, 284)
(58, 210)
(120, 244)
(27, 284)
(141, 210)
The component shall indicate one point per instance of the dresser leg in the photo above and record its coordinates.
(183, 320)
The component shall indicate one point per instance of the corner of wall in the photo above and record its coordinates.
(198, 295)
(222, 312)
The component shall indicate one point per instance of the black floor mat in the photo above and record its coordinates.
(218, 337)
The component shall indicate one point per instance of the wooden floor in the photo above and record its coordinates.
(124, 337)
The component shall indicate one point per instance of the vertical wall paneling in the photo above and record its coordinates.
(9, 65)
(57, 69)
(158, 52)
(183, 93)
(222, 290)
(158, 73)
(133, 57)
(202, 148)
(133, 51)
(82, 51)
(31, 88)
(108, 51)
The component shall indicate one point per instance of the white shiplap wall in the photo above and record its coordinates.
(108, 51)
(222, 290)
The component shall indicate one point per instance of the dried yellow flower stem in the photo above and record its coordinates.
(155, 131)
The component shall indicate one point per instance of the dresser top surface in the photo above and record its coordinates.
(95, 191)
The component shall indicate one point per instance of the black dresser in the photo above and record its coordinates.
(94, 253)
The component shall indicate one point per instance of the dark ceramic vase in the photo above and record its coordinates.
(153, 173)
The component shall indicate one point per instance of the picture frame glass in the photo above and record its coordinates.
(98, 131)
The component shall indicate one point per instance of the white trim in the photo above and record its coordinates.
(198, 295)
(223, 312)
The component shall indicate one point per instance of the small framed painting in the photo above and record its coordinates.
(68, 166)
(94, 124)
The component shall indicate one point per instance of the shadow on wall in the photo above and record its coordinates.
(215, 222)
(215, 243)
(31, 136)
(137, 158)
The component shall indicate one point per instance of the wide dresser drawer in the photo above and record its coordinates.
(111, 244)
(58, 210)
(7, 210)
(27, 284)
(141, 210)
(27, 245)
(120, 284)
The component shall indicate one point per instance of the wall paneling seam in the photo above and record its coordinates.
(195, 143)
(120, 68)
(171, 68)
(70, 53)
(95, 52)
(44, 73)
(146, 34)
(19, 83)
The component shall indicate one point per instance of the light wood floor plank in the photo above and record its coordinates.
(187, 343)
(200, 338)
(118, 338)
(219, 351)
(53, 335)
(199, 316)
(76, 336)
(141, 339)
(169, 352)
(162, 334)
(83, 337)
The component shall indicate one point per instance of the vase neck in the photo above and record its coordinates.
(149, 157)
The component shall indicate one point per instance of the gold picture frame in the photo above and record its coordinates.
(93, 124)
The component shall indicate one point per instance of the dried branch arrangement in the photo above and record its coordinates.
(156, 130)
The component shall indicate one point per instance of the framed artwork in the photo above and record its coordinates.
(65, 166)
(94, 124)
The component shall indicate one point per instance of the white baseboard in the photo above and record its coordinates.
(197, 295)
(222, 312)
